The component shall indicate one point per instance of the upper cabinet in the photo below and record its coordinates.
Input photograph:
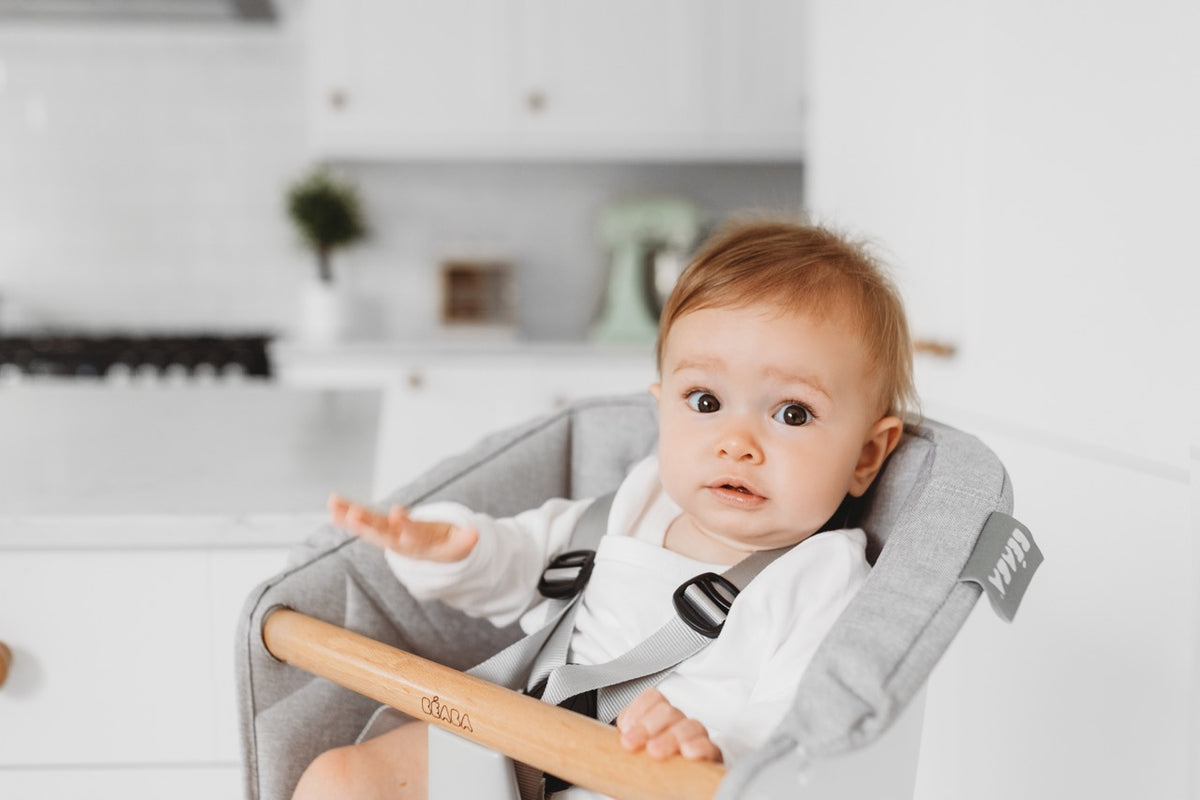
(673, 79)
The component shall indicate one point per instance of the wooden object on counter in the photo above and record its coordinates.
(576, 748)
(477, 292)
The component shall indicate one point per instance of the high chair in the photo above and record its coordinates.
(938, 534)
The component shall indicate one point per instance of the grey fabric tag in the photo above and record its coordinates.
(1003, 562)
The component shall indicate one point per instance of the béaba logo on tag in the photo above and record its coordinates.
(1003, 563)
(1014, 554)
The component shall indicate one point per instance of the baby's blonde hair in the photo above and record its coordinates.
(803, 269)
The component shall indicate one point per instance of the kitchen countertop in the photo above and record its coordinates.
(249, 465)
(457, 347)
(381, 364)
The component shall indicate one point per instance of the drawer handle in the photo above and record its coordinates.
(5, 662)
(535, 101)
(932, 347)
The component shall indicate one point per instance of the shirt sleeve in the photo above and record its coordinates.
(498, 578)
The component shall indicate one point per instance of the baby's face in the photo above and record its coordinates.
(765, 419)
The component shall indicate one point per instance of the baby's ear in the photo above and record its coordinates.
(880, 442)
(655, 389)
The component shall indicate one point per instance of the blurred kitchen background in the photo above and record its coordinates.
(179, 390)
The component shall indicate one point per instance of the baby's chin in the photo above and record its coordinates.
(738, 540)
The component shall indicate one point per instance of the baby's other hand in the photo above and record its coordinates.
(653, 723)
(430, 541)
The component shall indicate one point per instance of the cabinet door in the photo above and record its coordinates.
(755, 73)
(672, 79)
(613, 75)
(980, 152)
(402, 76)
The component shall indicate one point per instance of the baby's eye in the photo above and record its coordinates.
(704, 402)
(793, 414)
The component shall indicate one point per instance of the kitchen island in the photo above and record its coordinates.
(133, 524)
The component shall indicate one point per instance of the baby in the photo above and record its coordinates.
(785, 368)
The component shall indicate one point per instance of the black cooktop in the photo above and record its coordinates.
(87, 355)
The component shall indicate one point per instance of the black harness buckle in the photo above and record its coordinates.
(567, 574)
(704, 603)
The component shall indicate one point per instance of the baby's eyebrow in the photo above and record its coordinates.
(698, 363)
(811, 381)
(782, 376)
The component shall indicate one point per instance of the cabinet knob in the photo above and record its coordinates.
(933, 347)
(536, 101)
(5, 662)
(338, 99)
(415, 380)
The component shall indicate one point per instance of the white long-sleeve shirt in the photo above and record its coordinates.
(741, 685)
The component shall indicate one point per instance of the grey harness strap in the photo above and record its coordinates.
(698, 622)
(511, 666)
(540, 659)
(702, 604)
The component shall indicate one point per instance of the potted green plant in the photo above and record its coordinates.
(328, 214)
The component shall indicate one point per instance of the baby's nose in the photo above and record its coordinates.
(738, 442)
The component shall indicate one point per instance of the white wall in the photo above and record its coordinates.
(141, 171)
(1031, 169)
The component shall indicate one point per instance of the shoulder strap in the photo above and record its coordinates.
(702, 603)
(626, 676)
(511, 666)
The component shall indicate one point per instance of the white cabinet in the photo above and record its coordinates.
(622, 74)
(1040, 233)
(754, 71)
(410, 77)
(440, 398)
(676, 79)
(134, 523)
(122, 670)
(437, 411)
(970, 142)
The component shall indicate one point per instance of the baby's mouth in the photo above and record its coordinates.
(734, 490)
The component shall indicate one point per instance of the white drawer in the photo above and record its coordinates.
(220, 782)
(122, 657)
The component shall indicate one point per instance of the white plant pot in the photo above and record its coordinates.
(324, 312)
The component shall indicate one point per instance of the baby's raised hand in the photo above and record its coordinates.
(653, 723)
(430, 541)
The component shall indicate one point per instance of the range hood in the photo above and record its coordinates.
(138, 10)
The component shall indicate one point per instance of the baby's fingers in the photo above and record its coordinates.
(362, 521)
(690, 740)
(645, 718)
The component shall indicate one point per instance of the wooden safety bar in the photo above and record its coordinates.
(581, 750)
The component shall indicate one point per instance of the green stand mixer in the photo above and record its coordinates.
(649, 241)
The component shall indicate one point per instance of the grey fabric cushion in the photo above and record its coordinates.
(927, 510)
(922, 517)
(288, 717)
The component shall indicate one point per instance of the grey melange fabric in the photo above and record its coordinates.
(922, 519)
